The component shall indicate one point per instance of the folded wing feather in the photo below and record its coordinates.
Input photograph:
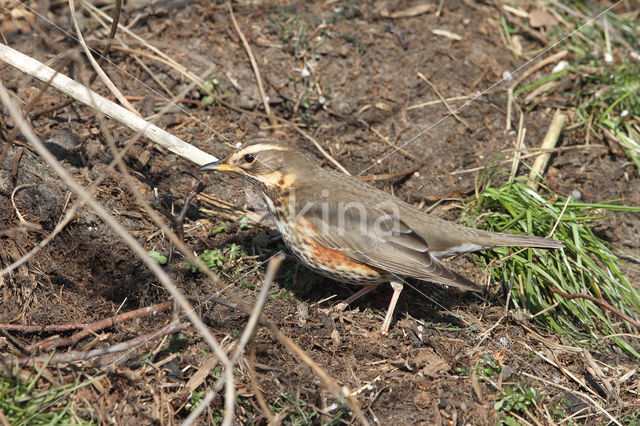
(383, 241)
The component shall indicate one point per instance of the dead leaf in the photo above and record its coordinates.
(407, 13)
(430, 364)
(447, 34)
(516, 41)
(383, 106)
(335, 336)
(201, 375)
(302, 314)
(540, 18)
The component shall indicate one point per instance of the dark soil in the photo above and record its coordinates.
(349, 77)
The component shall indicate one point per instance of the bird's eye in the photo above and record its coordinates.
(248, 158)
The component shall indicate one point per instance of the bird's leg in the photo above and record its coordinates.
(343, 305)
(397, 289)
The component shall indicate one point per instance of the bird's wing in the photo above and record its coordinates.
(381, 240)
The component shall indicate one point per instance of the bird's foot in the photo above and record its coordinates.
(397, 289)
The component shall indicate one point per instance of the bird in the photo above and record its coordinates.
(347, 230)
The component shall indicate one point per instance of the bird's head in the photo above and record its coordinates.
(268, 164)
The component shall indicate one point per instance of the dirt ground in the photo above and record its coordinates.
(349, 77)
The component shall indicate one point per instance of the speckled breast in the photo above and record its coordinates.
(298, 235)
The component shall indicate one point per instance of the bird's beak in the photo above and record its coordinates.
(217, 166)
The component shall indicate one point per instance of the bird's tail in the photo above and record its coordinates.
(504, 239)
(469, 240)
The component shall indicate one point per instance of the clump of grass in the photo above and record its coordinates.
(586, 265)
(26, 402)
(610, 104)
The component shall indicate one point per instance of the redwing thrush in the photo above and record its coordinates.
(349, 231)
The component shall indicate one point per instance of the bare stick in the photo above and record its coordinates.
(85, 355)
(603, 303)
(56, 328)
(254, 65)
(80, 93)
(550, 141)
(90, 329)
(507, 126)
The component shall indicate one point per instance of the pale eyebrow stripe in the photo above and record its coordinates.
(252, 149)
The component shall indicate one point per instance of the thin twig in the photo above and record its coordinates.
(107, 82)
(13, 200)
(444, 101)
(75, 356)
(582, 394)
(603, 303)
(548, 60)
(555, 225)
(436, 102)
(15, 342)
(92, 328)
(272, 268)
(318, 146)
(178, 221)
(117, 8)
(256, 387)
(394, 176)
(386, 140)
(254, 65)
